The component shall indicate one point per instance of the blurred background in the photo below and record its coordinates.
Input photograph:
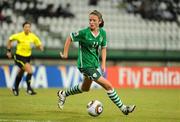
(143, 33)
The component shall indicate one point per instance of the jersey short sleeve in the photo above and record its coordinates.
(14, 37)
(37, 41)
(77, 36)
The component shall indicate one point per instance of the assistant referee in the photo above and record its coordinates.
(22, 57)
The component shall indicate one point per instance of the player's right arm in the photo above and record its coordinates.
(12, 38)
(64, 54)
(74, 37)
(9, 54)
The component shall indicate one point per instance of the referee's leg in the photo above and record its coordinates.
(28, 69)
(17, 82)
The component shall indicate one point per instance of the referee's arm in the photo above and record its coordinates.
(9, 54)
(41, 47)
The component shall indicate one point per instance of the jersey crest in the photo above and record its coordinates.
(76, 33)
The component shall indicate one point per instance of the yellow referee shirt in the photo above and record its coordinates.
(24, 45)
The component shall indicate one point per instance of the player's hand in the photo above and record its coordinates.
(9, 55)
(63, 55)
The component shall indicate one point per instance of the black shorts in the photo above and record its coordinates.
(21, 60)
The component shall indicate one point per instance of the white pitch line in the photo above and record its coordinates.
(9, 120)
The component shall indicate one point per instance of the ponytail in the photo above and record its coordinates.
(101, 24)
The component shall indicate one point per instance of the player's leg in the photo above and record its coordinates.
(85, 86)
(110, 91)
(17, 81)
(20, 64)
(28, 69)
(114, 96)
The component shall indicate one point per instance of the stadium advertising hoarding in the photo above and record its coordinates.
(43, 76)
(121, 77)
(144, 77)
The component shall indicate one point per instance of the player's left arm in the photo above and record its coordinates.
(103, 52)
(40, 47)
(64, 54)
(12, 38)
(9, 45)
(38, 43)
(103, 64)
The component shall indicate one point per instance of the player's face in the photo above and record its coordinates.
(94, 22)
(27, 28)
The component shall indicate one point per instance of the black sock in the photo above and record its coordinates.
(28, 81)
(18, 80)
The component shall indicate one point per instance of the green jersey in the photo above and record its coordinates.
(89, 44)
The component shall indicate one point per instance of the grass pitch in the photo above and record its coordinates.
(153, 105)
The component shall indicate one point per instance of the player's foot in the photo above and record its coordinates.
(31, 91)
(15, 92)
(61, 98)
(128, 109)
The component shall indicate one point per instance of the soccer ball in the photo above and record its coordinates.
(94, 108)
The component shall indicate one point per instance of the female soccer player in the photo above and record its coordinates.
(23, 55)
(90, 39)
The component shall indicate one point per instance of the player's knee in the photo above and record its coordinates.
(28, 69)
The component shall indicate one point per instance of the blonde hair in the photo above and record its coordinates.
(99, 15)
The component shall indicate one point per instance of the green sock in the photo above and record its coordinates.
(74, 90)
(115, 98)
